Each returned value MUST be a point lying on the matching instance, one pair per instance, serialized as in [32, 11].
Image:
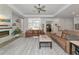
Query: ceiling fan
[40, 8]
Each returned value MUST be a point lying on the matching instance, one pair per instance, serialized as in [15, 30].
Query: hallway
[29, 46]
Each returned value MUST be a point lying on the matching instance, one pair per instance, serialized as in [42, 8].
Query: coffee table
[44, 39]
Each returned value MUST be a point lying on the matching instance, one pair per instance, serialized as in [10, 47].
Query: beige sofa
[61, 40]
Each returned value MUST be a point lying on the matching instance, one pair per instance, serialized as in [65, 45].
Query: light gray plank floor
[30, 46]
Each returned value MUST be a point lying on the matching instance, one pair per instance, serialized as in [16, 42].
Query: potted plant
[17, 32]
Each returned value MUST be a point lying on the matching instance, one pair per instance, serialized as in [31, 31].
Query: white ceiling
[28, 9]
[53, 10]
[70, 12]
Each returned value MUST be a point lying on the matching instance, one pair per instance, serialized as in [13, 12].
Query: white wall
[65, 23]
[46, 20]
[8, 13]
[5, 11]
[76, 21]
[25, 25]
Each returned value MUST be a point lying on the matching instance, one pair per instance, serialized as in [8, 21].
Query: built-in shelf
[5, 25]
[5, 28]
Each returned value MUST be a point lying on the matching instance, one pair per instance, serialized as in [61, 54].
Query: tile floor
[30, 46]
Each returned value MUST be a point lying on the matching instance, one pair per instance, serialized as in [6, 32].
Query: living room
[22, 24]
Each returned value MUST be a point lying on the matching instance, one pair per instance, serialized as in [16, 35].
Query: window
[76, 26]
[34, 23]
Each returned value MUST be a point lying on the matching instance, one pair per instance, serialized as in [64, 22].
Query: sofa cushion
[59, 33]
[72, 37]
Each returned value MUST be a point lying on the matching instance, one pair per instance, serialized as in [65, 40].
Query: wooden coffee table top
[75, 42]
[44, 38]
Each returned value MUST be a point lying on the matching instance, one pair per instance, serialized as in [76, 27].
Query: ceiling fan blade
[40, 8]
[43, 10]
[43, 7]
[35, 7]
[39, 11]
[34, 10]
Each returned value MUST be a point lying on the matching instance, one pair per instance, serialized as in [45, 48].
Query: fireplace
[4, 33]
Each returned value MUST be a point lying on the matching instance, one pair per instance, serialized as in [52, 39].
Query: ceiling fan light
[39, 5]
[40, 9]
